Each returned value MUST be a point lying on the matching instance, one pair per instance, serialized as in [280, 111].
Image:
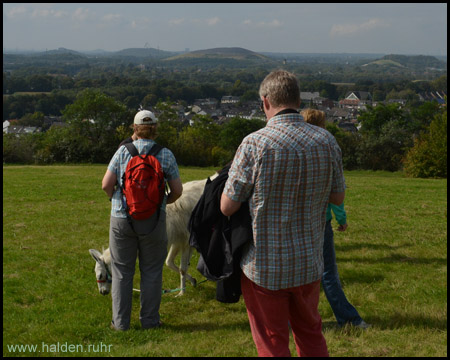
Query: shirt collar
[286, 111]
[282, 117]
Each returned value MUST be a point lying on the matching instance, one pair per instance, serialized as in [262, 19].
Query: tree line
[27, 90]
[391, 138]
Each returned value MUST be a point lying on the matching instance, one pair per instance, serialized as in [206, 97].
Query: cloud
[111, 18]
[16, 12]
[44, 13]
[176, 22]
[275, 23]
[140, 23]
[352, 29]
[82, 14]
[213, 21]
[210, 22]
[40, 11]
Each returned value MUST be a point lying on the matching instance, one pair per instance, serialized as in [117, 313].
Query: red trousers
[270, 313]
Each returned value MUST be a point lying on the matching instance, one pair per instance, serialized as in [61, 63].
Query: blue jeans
[342, 309]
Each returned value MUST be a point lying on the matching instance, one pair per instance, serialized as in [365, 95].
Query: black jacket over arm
[219, 239]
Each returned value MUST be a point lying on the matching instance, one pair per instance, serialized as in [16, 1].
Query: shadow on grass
[209, 326]
[395, 258]
[359, 277]
[358, 246]
[397, 321]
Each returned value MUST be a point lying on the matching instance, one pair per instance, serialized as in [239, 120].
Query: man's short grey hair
[281, 88]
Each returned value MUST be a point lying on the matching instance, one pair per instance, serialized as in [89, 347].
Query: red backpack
[143, 183]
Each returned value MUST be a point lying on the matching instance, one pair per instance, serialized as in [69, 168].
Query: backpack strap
[131, 149]
[155, 149]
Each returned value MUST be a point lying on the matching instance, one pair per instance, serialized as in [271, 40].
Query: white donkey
[178, 214]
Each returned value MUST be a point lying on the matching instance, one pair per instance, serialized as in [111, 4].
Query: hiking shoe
[158, 325]
[363, 325]
[113, 327]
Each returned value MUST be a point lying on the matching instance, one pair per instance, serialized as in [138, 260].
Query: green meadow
[392, 262]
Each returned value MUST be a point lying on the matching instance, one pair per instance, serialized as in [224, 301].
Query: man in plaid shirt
[288, 171]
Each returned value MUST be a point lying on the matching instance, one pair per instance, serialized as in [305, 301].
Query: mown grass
[392, 261]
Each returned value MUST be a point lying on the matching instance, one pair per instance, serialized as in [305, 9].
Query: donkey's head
[102, 272]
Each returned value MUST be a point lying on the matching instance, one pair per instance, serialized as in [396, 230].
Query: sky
[377, 28]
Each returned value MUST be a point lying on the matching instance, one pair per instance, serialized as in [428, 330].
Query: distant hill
[235, 53]
[59, 51]
[410, 61]
[384, 62]
[54, 56]
[323, 58]
[144, 53]
[97, 52]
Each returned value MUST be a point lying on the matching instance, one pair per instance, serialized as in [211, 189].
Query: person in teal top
[341, 215]
[344, 312]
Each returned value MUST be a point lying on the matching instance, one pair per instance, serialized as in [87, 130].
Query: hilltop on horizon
[237, 52]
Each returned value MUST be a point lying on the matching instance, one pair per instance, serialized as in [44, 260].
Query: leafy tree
[195, 143]
[64, 145]
[123, 132]
[384, 150]
[428, 157]
[149, 100]
[326, 90]
[440, 84]
[21, 149]
[132, 102]
[12, 84]
[35, 119]
[249, 95]
[378, 95]
[209, 91]
[234, 131]
[422, 116]
[167, 135]
[221, 156]
[40, 83]
[349, 143]
[95, 116]
[374, 118]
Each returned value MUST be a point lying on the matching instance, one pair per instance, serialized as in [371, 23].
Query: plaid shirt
[118, 165]
[286, 171]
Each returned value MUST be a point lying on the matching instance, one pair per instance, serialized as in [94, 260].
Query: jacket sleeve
[339, 212]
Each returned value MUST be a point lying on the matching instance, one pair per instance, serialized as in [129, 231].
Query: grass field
[392, 261]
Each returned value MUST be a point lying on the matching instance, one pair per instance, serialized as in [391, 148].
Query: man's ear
[267, 104]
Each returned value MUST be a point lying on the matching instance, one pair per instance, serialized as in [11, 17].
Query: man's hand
[342, 227]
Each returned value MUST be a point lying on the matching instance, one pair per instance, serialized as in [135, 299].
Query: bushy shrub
[63, 145]
[349, 143]
[21, 149]
[428, 157]
[220, 156]
[385, 150]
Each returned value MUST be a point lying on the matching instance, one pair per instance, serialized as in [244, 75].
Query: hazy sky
[388, 28]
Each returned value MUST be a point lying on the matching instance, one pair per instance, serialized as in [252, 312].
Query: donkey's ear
[96, 255]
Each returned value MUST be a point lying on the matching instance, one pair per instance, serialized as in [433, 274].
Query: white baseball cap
[145, 117]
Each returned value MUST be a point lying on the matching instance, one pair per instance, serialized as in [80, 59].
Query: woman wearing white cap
[125, 241]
